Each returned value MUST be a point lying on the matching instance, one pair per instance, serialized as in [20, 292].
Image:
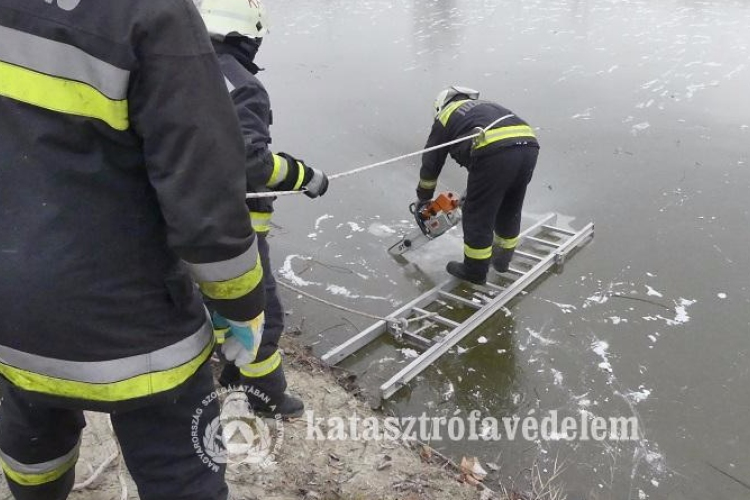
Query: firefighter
[121, 187]
[500, 164]
[237, 30]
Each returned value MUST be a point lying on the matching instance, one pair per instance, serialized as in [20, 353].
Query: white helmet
[222, 17]
[447, 95]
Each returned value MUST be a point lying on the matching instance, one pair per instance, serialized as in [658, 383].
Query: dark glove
[420, 204]
[314, 181]
[425, 194]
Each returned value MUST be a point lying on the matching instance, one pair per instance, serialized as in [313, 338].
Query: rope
[332, 304]
[104, 465]
[95, 474]
[399, 324]
[364, 168]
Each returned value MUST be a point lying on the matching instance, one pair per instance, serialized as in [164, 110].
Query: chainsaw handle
[418, 217]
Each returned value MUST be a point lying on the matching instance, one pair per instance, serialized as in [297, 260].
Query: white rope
[328, 303]
[95, 475]
[399, 323]
[358, 170]
[104, 465]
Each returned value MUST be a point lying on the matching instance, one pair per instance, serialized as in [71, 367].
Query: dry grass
[537, 485]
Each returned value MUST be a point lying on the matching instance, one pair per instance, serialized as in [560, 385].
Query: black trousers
[274, 383]
[495, 192]
[156, 442]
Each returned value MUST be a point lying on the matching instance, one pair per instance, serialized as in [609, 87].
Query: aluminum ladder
[542, 247]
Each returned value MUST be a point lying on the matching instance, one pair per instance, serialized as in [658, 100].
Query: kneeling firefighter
[237, 30]
[500, 162]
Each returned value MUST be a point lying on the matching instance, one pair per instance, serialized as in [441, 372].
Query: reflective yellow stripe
[235, 287]
[135, 387]
[499, 134]
[280, 170]
[262, 368]
[24, 475]
[261, 221]
[425, 184]
[220, 335]
[507, 243]
[50, 57]
[446, 113]
[300, 177]
[64, 96]
[226, 269]
[477, 253]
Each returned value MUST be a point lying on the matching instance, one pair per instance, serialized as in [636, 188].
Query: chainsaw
[433, 220]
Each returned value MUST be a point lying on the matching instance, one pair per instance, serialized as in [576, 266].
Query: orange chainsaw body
[445, 202]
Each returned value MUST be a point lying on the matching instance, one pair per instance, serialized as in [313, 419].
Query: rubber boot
[286, 407]
[230, 375]
[474, 271]
[501, 258]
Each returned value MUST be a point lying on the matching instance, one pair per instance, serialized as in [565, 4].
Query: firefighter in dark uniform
[121, 187]
[500, 164]
[237, 29]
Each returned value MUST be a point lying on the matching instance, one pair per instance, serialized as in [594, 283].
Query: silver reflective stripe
[106, 372]
[230, 86]
[226, 269]
[316, 182]
[64, 61]
[43, 467]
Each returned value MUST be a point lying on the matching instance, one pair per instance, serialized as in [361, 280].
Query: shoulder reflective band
[261, 221]
[499, 134]
[40, 473]
[477, 253]
[114, 380]
[280, 170]
[262, 368]
[506, 243]
[446, 113]
[236, 287]
[226, 269]
[62, 78]
[426, 184]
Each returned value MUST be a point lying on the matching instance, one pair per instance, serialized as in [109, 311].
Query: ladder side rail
[433, 353]
[354, 344]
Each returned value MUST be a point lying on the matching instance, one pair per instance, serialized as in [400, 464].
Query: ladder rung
[437, 318]
[543, 241]
[460, 300]
[515, 271]
[417, 339]
[494, 286]
[559, 230]
[529, 255]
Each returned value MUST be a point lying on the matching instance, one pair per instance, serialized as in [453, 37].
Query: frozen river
[643, 115]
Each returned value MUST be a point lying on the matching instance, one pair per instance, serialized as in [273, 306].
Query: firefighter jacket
[265, 170]
[459, 119]
[121, 186]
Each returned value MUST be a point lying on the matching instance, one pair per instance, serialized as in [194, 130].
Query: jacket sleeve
[253, 107]
[194, 156]
[265, 170]
[432, 162]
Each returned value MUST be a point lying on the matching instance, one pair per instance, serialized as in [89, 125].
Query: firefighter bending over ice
[500, 165]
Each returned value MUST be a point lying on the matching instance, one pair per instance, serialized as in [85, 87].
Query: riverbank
[303, 468]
